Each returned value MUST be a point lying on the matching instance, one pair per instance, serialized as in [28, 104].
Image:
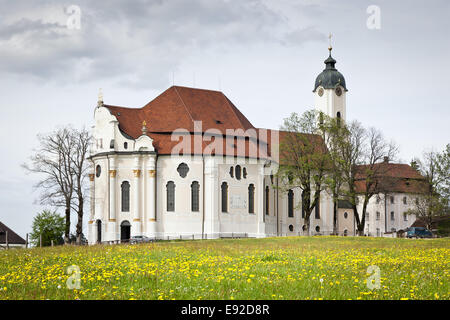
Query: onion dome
[330, 78]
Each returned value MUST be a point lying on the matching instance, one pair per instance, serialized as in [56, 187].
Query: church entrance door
[125, 231]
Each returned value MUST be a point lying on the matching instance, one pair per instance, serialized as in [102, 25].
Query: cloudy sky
[263, 54]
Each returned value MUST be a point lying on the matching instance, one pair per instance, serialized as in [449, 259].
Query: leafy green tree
[50, 225]
[434, 202]
[336, 132]
[362, 155]
[304, 160]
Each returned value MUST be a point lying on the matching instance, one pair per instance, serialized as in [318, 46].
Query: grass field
[272, 268]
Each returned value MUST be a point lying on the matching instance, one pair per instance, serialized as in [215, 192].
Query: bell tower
[330, 90]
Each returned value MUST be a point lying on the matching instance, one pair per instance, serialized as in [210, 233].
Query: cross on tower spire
[330, 47]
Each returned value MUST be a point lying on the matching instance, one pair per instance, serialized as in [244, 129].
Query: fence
[222, 235]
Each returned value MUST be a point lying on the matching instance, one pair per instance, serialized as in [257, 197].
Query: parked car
[139, 239]
[418, 232]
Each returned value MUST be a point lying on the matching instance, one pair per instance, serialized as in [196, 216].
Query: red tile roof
[286, 137]
[178, 108]
[394, 177]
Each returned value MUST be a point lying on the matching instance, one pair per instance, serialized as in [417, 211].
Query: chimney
[386, 159]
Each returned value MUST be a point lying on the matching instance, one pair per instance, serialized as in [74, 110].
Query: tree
[82, 140]
[364, 156]
[61, 159]
[53, 161]
[434, 201]
[304, 160]
[336, 133]
[48, 225]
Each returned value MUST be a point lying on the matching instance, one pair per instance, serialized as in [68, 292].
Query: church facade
[190, 164]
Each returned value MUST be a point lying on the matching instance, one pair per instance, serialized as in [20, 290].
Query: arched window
[317, 209]
[125, 145]
[224, 190]
[392, 215]
[195, 187]
[125, 187]
[404, 200]
[290, 203]
[345, 215]
[170, 196]
[392, 200]
[317, 229]
[303, 209]
[291, 228]
[251, 198]
[266, 199]
[378, 215]
[99, 231]
[345, 232]
[98, 171]
[244, 173]
[338, 118]
[321, 118]
[232, 172]
[237, 172]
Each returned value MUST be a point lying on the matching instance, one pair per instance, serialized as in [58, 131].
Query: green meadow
[270, 268]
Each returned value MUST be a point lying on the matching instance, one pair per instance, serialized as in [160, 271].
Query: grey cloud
[126, 40]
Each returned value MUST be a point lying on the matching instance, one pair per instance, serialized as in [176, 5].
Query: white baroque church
[189, 164]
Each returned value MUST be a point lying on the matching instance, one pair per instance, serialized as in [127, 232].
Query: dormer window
[219, 122]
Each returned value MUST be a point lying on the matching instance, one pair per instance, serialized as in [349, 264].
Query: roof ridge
[193, 88]
[185, 107]
[232, 110]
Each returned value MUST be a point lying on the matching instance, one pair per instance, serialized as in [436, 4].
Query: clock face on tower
[320, 92]
[338, 91]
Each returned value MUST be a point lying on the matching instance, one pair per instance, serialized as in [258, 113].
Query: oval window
[183, 170]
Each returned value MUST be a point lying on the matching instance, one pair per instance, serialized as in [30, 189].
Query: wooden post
[7, 244]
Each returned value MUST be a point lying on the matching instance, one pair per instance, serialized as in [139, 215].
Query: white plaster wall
[330, 103]
[182, 220]
[398, 207]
